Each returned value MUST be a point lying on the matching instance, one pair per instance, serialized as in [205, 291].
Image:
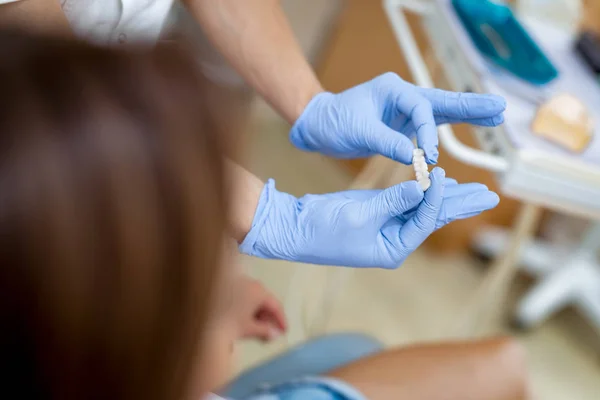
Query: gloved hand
[360, 228]
[383, 115]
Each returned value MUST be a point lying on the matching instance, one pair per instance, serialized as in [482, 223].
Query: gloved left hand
[360, 228]
[383, 115]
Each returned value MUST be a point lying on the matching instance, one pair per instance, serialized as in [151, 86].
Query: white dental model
[421, 170]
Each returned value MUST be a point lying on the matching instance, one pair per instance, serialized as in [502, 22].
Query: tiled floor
[414, 303]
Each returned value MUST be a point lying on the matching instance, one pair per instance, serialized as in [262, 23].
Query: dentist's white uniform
[144, 22]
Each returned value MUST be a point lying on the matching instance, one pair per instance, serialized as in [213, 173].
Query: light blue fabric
[382, 115]
[360, 228]
[311, 359]
[319, 388]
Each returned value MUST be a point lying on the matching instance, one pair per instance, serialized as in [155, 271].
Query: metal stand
[486, 308]
[568, 277]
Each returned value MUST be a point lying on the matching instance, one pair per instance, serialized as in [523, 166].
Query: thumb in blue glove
[359, 228]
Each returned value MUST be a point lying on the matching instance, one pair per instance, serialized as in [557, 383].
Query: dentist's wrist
[299, 134]
[303, 100]
[272, 227]
[245, 189]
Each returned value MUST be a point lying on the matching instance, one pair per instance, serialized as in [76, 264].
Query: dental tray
[499, 36]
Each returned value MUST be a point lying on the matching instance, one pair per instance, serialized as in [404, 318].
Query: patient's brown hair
[112, 213]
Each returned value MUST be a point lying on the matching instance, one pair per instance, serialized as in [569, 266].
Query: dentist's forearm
[245, 189]
[256, 38]
[40, 16]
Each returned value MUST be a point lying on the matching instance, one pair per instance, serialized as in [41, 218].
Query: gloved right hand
[382, 116]
[360, 228]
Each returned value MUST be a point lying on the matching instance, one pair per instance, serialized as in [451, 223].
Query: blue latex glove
[360, 228]
[383, 115]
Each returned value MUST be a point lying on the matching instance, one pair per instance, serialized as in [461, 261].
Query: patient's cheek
[219, 352]
[222, 331]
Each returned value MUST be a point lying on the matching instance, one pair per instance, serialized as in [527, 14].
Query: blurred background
[351, 41]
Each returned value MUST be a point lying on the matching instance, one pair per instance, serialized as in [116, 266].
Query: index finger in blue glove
[462, 201]
[389, 143]
[463, 105]
[466, 206]
[423, 223]
[418, 109]
[463, 189]
[367, 194]
[489, 121]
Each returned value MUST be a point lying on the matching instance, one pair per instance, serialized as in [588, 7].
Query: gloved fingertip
[478, 202]
[432, 156]
[502, 102]
[438, 174]
[498, 119]
[499, 101]
[491, 199]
